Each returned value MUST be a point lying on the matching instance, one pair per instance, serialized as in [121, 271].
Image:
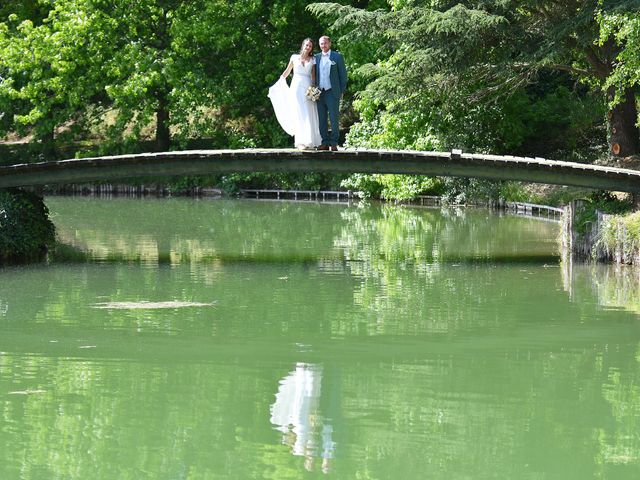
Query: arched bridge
[199, 162]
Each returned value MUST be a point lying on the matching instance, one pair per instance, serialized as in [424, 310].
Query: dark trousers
[329, 108]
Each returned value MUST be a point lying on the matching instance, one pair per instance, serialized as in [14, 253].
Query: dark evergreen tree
[437, 50]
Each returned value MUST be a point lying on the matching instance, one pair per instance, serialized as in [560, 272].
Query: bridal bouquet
[313, 93]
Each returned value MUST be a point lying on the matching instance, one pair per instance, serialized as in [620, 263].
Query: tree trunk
[48, 145]
[163, 136]
[622, 130]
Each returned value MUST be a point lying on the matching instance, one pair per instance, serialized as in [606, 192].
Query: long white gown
[297, 115]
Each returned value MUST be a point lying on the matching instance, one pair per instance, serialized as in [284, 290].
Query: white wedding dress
[297, 115]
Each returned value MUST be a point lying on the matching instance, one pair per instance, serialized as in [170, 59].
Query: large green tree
[136, 59]
[480, 52]
[47, 69]
[174, 64]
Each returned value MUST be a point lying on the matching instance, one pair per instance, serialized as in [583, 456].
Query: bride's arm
[313, 74]
[287, 70]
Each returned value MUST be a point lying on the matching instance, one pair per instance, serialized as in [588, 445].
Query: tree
[175, 64]
[484, 51]
[50, 70]
[621, 29]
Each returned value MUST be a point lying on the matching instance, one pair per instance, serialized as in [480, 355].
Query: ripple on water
[146, 305]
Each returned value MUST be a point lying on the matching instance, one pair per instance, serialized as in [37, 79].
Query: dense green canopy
[455, 68]
[77, 66]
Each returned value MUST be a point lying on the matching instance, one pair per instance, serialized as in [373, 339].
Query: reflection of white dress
[296, 405]
[297, 115]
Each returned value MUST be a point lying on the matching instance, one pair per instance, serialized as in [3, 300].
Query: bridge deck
[201, 162]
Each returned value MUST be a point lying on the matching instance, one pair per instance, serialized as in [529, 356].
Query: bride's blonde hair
[302, 46]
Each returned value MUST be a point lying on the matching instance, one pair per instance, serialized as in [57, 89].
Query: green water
[191, 339]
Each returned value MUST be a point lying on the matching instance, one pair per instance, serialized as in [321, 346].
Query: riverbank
[591, 234]
[607, 238]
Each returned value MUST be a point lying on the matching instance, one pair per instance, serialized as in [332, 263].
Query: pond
[198, 339]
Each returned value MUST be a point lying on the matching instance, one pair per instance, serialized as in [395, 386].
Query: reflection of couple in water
[297, 414]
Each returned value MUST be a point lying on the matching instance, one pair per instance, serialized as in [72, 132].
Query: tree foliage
[26, 232]
[187, 68]
[51, 71]
[623, 28]
[461, 63]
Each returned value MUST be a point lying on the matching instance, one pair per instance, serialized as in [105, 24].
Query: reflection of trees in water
[616, 286]
[391, 260]
[181, 230]
[107, 418]
[440, 271]
[620, 445]
[463, 414]
[437, 414]
[418, 235]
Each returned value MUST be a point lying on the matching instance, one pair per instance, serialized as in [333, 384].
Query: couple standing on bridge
[313, 98]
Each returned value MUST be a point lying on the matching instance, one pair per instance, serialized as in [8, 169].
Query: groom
[331, 79]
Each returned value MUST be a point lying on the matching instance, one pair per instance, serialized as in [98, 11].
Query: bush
[604, 202]
[392, 186]
[26, 233]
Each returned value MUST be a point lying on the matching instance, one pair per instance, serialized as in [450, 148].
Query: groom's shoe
[334, 148]
[323, 147]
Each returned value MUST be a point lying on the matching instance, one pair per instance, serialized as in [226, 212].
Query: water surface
[190, 339]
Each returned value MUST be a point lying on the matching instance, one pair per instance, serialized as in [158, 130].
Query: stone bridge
[201, 162]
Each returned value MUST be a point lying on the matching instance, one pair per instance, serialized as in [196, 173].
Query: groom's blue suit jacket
[337, 75]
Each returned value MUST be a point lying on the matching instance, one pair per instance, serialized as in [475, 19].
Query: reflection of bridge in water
[202, 162]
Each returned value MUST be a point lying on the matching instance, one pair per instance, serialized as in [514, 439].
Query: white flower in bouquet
[313, 93]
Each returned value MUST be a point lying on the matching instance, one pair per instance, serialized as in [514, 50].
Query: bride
[298, 115]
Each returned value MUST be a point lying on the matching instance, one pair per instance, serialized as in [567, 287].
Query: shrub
[26, 233]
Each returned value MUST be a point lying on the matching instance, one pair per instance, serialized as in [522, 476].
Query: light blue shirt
[324, 70]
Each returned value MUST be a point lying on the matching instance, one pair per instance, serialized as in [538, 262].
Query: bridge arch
[201, 162]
